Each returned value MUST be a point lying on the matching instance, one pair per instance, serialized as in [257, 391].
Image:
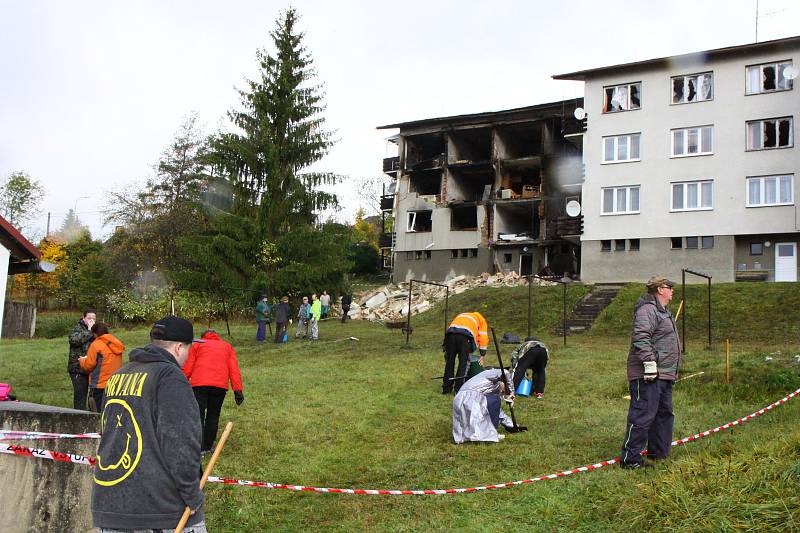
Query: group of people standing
[309, 314]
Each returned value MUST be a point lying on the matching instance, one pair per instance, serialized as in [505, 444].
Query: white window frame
[685, 196]
[686, 132]
[411, 218]
[762, 180]
[628, 210]
[627, 103]
[762, 128]
[615, 140]
[685, 79]
[750, 70]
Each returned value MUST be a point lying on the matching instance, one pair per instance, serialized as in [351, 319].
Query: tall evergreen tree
[282, 134]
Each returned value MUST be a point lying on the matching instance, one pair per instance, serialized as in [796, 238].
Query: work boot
[634, 466]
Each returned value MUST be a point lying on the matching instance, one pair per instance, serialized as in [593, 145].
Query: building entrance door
[785, 261]
[525, 265]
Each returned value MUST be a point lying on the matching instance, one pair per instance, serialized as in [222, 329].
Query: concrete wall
[441, 266]
[728, 166]
[41, 495]
[655, 256]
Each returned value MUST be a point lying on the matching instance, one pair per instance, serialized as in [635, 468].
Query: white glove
[650, 370]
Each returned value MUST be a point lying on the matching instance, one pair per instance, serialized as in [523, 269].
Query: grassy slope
[366, 415]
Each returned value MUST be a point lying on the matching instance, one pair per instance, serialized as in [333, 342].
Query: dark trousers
[280, 330]
[493, 406]
[345, 310]
[261, 333]
[536, 360]
[650, 420]
[209, 399]
[98, 395]
[80, 390]
[455, 344]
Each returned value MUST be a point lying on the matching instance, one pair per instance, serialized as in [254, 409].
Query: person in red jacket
[209, 368]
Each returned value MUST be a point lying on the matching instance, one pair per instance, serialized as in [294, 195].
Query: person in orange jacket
[467, 332]
[103, 358]
[209, 368]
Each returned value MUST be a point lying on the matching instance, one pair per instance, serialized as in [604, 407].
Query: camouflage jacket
[80, 338]
[653, 338]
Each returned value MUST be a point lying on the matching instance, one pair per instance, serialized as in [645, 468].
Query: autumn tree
[20, 197]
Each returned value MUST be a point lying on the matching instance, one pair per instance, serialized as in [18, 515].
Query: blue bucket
[524, 388]
[285, 337]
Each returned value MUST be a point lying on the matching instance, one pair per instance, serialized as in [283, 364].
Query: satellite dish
[573, 208]
[580, 113]
[791, 73]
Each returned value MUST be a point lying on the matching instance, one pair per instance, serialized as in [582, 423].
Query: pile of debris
[390, 303]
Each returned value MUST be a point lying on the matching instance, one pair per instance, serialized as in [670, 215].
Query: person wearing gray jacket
[653, 362]
[148, 460]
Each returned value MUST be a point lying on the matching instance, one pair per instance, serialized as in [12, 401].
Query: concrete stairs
[589, 307]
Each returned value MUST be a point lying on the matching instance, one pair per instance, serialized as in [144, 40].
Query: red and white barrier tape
[29, 435]
[80, 459]
[46, 454]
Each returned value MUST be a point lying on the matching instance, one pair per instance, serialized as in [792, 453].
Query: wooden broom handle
[207, 472]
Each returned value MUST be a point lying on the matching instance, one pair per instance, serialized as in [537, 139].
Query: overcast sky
[93, 91]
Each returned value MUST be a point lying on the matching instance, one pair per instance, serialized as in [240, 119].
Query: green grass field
[365, 414]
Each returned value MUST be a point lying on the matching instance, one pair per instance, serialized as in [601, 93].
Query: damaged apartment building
[488, 192]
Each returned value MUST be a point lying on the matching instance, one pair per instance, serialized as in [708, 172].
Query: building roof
[704, 56]
[21, 248]
[490, 116]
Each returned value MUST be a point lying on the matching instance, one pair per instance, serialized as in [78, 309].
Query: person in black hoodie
[283, 314]
[80, 338]
[148, 460]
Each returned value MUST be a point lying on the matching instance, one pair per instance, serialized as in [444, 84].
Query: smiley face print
[121, 446]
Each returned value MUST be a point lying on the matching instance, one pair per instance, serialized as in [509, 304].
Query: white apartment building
[691, 162]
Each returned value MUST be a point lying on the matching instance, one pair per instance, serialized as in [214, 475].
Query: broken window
[464, 218]
[468, 146]
[620, 148]
[425, 151]
[622, 97]
[693, 88]
[693, 141]
[425, 182]
[419, 221]
[768, 77]
[770, 133]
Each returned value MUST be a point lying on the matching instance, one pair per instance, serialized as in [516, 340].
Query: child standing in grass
[103, 358]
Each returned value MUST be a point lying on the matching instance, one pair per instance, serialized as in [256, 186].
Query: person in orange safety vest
[467, 333]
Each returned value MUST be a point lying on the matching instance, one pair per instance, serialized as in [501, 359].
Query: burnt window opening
[426, 182]
[522, 141]
[676, 242]
[419, 221]
[425, 151]
[633, 245]
[470, 146]
[517, 222]
[507, 258]
[469, 184]
[605, 246]
[464, 218]
[522, 181]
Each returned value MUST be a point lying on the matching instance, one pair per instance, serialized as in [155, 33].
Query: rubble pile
[390, 303]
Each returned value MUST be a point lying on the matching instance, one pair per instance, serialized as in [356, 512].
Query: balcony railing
[391, 165]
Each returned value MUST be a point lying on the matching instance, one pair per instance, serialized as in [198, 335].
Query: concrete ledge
[41, 495]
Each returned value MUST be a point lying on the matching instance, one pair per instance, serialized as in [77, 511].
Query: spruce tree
[282, 134]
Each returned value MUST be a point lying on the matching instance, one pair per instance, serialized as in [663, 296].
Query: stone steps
[589, 308]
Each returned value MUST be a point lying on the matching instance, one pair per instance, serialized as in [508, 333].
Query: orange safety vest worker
[472, 325]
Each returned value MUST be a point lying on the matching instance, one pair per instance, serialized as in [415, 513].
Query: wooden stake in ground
[727, 360]
[206, 473]
[678, 314]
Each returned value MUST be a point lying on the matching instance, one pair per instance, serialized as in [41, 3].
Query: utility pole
[47, 233]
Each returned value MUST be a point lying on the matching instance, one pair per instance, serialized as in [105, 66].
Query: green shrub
[54, 324]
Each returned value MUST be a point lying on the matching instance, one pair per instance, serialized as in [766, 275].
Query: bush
[130, 307]
[54, 324]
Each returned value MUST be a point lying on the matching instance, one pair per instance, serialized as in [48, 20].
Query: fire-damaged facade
[487, 192]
